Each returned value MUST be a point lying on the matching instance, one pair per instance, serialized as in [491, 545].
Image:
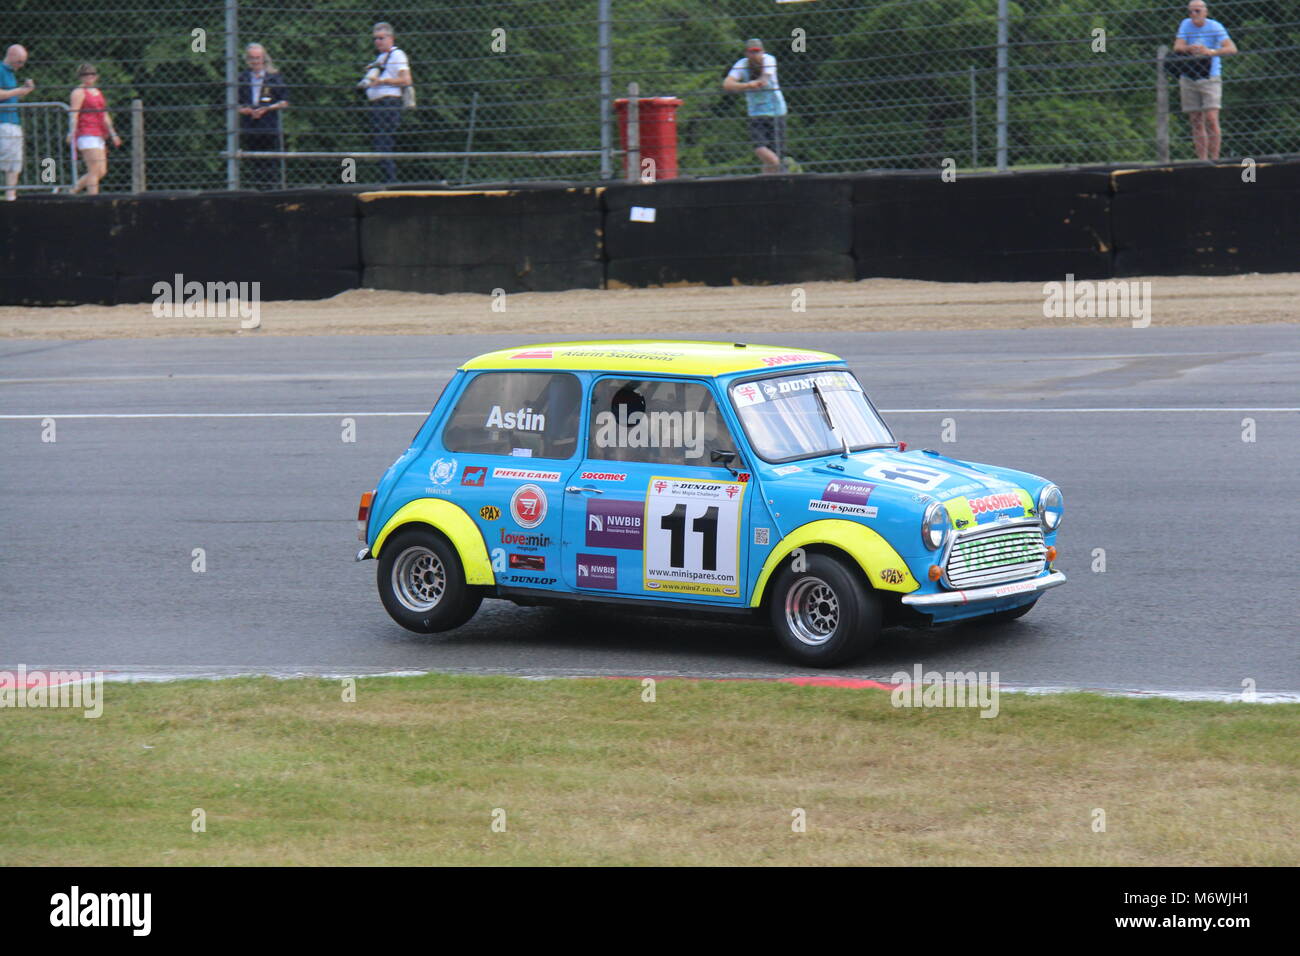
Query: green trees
[869, 84]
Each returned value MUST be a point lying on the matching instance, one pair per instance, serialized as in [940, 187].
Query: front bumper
[995, 593]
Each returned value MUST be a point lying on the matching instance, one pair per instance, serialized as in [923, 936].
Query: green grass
[587, 773]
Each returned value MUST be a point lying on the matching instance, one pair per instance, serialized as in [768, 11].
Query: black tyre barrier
[517, 240]
[1037, 226]
[112, 249]
[729, 270]
[774, 217]
[487, 278]
[1207, 220]
[56, 252]
[1029, 226]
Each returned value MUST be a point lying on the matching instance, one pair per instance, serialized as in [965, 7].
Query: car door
[508, 447]
[648, 513]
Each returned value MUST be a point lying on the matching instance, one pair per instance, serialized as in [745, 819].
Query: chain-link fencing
[908, 84]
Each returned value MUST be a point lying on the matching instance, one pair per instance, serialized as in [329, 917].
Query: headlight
[1051, 507]
[935, 525]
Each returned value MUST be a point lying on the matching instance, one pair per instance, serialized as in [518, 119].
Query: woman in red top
[91, 126]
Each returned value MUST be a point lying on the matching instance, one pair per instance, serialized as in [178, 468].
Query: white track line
[883, 411]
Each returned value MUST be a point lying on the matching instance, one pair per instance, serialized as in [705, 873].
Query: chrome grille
[995, 555]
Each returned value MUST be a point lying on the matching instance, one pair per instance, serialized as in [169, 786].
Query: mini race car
[698, 477]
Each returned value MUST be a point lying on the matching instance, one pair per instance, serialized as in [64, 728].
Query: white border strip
[135, 677]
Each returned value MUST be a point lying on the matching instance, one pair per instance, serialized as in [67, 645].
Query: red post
[658, 122]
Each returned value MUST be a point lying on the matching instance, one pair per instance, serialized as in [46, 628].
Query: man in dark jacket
[262, 95]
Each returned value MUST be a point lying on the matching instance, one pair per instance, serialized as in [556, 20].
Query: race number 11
[691, 538]
[706, 524]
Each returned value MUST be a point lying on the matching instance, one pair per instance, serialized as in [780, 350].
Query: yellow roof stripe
[649, 355]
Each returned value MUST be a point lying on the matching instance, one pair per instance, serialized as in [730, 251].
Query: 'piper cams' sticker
[525, 474]
[528, 506]
[691, 536]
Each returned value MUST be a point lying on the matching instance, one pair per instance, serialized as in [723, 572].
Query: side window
[519, 414]
[656, 421]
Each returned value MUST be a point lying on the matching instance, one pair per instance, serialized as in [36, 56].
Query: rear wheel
[422, 583]
[823, 615]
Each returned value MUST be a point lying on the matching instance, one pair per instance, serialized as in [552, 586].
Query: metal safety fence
[45, 138]
[523, 90]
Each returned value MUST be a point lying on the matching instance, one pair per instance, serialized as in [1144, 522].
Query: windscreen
[785, 420]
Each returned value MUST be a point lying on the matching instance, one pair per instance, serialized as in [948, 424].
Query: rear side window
[516, 414]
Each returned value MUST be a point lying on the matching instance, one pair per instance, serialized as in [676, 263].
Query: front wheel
[825, 614]
[422, 583]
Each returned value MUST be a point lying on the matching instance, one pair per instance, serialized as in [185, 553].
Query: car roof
[650, 356]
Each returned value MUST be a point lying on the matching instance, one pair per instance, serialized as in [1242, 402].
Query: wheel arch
[452, 523]
[860, 547]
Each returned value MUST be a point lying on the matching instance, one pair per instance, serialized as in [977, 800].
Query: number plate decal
[917, 477]
[691, 536]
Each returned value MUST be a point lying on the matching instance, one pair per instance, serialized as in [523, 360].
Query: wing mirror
[723, 457]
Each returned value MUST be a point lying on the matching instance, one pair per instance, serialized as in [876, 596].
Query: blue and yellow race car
[698, 477]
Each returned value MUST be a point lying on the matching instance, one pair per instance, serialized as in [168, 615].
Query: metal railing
[49, 160]
[50, 153]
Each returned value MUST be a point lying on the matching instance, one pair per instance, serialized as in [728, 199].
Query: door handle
[579, 489]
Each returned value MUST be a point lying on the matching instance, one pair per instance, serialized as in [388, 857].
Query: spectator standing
[90, 126]
[1202, 97]
[262, 95]
[754, 74]
[384, 82]
[11, 123]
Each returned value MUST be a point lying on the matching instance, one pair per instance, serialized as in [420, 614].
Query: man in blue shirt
[755, 76]
[1202, 96]
[11, 129]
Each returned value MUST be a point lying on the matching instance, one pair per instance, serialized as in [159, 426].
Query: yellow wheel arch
[452, 522]
[883, 566]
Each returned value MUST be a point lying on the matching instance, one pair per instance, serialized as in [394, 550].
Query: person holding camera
[384, 84]
[1200, 88]
[754, 74]
[11, 123]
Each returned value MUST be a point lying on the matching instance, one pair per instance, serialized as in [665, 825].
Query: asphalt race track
[234, 446]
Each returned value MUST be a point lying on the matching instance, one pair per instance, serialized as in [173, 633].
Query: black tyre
[825, 614]
[1002, 617]
[422, 583]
